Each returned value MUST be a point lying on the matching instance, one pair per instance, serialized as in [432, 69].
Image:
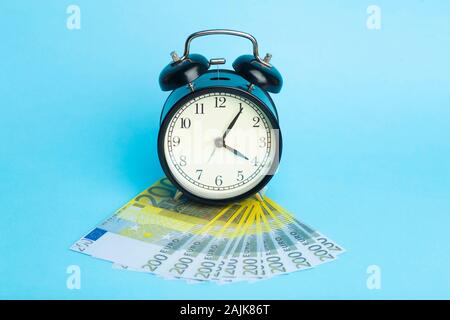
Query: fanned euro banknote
[176, 238]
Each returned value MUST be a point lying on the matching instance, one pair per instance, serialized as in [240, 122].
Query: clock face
[220, 145]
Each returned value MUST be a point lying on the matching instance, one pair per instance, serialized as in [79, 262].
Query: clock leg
[177, 195]
[263, 190]
[260, 195]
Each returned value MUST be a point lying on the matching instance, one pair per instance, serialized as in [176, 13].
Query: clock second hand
[214, 150]
[218, 143]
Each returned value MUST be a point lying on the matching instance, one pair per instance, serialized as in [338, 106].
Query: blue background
[365, 116]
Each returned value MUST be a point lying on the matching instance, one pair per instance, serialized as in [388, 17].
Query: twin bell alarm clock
[219, 139]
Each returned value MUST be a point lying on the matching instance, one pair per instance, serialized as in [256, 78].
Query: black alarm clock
[219, 139]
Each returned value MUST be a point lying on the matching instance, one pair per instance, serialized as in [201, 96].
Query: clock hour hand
[235, 151]
[231, 124]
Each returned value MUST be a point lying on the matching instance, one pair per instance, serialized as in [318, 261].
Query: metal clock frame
[231, 84]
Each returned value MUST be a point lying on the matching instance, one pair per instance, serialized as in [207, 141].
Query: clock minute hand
[231, 124]
[235, 151]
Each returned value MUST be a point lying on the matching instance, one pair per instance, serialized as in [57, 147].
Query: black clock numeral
[262, 142]
[255, 162]
[176, 141]
[240, 175]
[185, 123]
[199, 172]
[199, 108]
[219, 180]
[220, 102]
[182, 161]
[256, 120]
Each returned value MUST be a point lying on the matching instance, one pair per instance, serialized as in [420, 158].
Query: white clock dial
[214, 162]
